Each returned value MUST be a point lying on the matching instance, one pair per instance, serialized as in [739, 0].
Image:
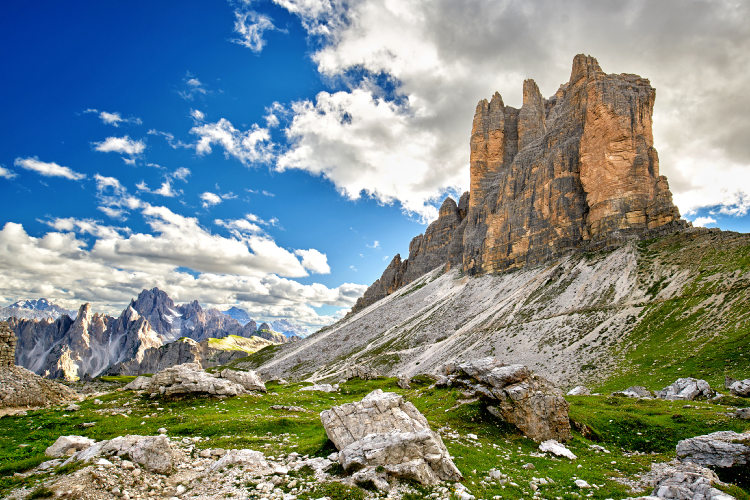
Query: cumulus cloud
[413, 71]
[166, 189]
[123, 145]
[48, 169]
[249, 146]
[703, 221]
[61, 266]
[192, 87]
[7, 174]
[314, 261]
[210, 199]
[114, 118]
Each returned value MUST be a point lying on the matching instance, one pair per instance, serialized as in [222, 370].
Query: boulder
[253, 462]
[743, 413]
[249, 379]
[635, 391]
[723, 449]
[518, 396]
[138, 384]
[556, 448]
[154, 453]
[738, 387]
[190, 378]
[579, 390]
[684, 481]
[67, 445]
[385, 433]
[687, 389]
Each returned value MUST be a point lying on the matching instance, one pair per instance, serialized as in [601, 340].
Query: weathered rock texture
[577, 171]
[384, 431]
[723, 449]
[190, 378]
[738, 387]
[684, 481]
[688, 389]
[154, 453]
[519, 397]
[21, 388]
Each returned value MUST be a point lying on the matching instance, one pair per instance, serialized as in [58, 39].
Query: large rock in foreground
[518, 396]
[738, 387]
[724, 449]
[190, 378]
[384, 431]
[154, 453]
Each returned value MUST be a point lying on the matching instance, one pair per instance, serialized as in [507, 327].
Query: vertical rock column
[7, 346]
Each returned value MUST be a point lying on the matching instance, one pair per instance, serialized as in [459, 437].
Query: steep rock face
[577, 171]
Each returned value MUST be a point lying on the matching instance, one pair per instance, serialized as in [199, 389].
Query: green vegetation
[237, 343]
[636, 433]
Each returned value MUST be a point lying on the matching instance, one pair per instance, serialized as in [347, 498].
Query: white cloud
[50, 169]
[167, 189]
[7, 174]
[250, 146]
[703, 221]
[62, 267]
[250, 26]
[439, 58]
[197, 114]
[375, 244]
[210, 199]
[193, 88]
[113, 118]
[314, 261]
[123, 145]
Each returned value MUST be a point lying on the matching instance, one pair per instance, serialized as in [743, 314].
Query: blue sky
[276, 154]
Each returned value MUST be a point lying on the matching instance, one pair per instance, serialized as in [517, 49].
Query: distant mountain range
[55, 343]
[34, 309]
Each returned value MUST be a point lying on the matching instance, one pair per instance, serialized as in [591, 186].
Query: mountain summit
[577, 171]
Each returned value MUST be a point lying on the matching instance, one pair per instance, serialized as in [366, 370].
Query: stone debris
[361, 372]
[190, 378]
[321, 388]
[738, 387]
[404, 381]
[293, 409]
[253, 461]
[742, 413]
[579, 390]
[635, 391]
[687, 389]
[67, 445]
[384, 437]
[556, 448]
[723, 449]
[519, 397]
[683, 481]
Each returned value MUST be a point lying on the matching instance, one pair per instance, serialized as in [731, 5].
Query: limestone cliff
[577, 171]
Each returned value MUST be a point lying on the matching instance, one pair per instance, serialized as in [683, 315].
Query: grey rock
[154, 453]
[517, 396]
[67, 445]
[684, 481]
[723, 449]
[249, 379]
[385, 431]
[138, 384]
[321, 388]
[635, 391]
[579, 390]
[189, 378]
[738, 387]
[687, 389]
[742, 413]
[254, 462]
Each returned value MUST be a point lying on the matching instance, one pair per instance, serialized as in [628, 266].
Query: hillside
[646, 313]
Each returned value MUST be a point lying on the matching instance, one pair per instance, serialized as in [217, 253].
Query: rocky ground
[274, 445]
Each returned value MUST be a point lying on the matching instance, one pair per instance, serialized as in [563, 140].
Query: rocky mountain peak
[574, 172]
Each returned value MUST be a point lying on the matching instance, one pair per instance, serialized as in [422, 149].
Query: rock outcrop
[723, 449]
[688, 389]
[21, 388]
[577, 171]
[738, 387]
[385, 435]
[679, 481]
[190, 378]
[515, 395]
[154, 453]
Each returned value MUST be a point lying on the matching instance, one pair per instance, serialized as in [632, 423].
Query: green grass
[623, 426]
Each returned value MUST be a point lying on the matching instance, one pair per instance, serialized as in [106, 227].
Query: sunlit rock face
[577, 171]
